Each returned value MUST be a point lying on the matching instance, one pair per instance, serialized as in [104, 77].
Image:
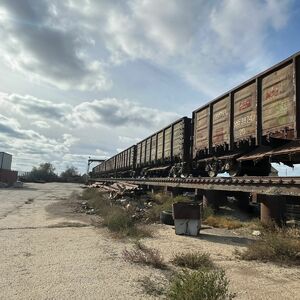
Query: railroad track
[289, 186]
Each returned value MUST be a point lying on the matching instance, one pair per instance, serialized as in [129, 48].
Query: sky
[84, 78]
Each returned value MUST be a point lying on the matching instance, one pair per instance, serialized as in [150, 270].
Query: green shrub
[163, 202]
[276, 245]
[199, 284]
[193, 260]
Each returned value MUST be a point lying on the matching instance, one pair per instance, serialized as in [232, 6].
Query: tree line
[45, 172]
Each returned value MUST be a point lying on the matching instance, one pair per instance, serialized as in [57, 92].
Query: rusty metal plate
[143, 152]
[245, 101]
[138, 154]
[201, 133]
[153, 148]
[221, 122]
[148, 150]
[178, 139]
[160, 144]
[278, 106]
[167, 143]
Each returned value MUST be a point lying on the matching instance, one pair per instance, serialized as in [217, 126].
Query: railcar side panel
[148, 150]
[221, 122]
[167, 143]
[245, 115]
[138, 154]
[178, 139]
[278, 103]
[160, 145]
[143, 153]
[201, 127]
[153, 148]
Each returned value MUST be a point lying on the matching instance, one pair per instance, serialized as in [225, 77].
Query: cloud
[115, 112]
[38, 42]
[30, 147]
[41, 124]
[74, 44]
[197, 40]
[36, 108]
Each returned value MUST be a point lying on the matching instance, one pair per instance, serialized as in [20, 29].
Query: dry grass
[144, 255]
[199, 284]
[279, 245]
[162, 202]
[222, 222]
[115, 218]
[193, 260]
[156, 288]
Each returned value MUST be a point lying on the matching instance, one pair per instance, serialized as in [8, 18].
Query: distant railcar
[166, 152]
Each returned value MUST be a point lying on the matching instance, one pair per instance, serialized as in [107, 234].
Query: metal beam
[289, 186]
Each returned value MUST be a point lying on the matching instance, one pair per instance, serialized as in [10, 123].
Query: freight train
[241, 132]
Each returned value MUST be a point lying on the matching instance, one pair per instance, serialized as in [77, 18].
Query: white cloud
[45, 46]
[115, 112]
[196, 39]
[41, 124]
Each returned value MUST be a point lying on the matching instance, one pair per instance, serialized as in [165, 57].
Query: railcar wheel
[212, 173]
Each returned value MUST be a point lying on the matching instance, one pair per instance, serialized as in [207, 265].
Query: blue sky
[87, 77]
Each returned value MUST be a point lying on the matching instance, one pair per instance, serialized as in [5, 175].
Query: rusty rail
[289, 186]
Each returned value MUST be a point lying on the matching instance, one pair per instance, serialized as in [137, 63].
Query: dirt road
[49, 252]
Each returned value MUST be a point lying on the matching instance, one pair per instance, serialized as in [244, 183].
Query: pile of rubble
[118, 189]
[129, 196]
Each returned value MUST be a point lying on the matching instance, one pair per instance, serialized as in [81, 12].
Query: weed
[193, 260]
[223, 222]
[207, 211]
[199, 284]
[153, 287]
[162, 202]
[117, 220]
[144, 255]
[280, 245]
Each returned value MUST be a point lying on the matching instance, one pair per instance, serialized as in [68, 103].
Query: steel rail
[289, 186]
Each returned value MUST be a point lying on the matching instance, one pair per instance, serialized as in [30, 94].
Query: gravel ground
[50, 252]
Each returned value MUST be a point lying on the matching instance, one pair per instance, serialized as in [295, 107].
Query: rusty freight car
[166, 152]
[254, 124]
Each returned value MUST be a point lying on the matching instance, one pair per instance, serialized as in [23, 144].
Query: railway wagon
[125, 162]
[166, 152]
[107, 168]
[252, 125]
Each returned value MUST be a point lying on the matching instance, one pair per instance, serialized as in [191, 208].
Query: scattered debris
[256, 233]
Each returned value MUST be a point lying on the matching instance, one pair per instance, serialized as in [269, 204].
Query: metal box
[5, 161]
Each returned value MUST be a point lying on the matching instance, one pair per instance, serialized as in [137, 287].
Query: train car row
[240, 132]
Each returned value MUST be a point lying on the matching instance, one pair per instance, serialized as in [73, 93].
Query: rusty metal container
[278, 103]
[245, 120]
[8, 176]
